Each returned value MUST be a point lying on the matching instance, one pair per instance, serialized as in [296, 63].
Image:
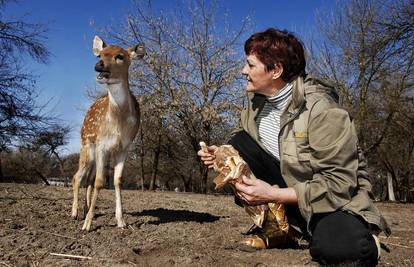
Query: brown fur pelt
[231, 167]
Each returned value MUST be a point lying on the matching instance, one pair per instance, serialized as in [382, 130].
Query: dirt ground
[164, 229]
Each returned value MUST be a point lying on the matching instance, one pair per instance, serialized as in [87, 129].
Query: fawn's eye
[119, 57]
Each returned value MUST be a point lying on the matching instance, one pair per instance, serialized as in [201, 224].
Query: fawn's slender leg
[85, 166]
[90, 182]
[99, 182]
[117, 184]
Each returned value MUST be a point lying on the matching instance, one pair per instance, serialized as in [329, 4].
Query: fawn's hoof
[74, 215]
[87, 225]
[121, 223]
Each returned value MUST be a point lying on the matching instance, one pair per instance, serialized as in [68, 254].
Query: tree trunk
[383, 188]
[155, 163]
[391, 196]
[109, 175]
[142, 154]
[62, 169]
[204, 175]
[187, 182]
[1, 168]
[403, 196]
[42, 177]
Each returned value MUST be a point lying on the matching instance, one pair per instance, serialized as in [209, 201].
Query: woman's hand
[256, 192]
[208, 156]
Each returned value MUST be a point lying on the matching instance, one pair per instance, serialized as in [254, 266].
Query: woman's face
[258, 79]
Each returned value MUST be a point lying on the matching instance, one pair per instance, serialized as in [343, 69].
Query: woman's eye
[120, 57]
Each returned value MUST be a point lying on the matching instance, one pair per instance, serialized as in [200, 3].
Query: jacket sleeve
[334, 160]
[364, 182]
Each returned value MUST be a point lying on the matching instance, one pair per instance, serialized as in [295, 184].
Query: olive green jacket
[319, 152]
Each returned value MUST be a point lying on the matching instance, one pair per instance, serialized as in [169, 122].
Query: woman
[304, 149]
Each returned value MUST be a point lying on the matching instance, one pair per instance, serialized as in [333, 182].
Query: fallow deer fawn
[109, 127]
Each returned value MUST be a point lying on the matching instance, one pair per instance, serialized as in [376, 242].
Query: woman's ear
[277, 71]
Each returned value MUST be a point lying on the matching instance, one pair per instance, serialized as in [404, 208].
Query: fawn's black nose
[100, 66]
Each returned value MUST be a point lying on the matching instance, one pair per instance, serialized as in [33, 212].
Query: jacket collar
[303, 86]
[298, 95]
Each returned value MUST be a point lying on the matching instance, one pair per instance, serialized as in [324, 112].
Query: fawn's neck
[119, 97]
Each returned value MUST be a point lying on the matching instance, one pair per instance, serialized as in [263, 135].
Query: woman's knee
[341, 237]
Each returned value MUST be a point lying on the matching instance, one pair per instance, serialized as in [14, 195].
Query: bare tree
[20, 115]
[190, 79]
[51, 142]
[28, 165]
[367, 53]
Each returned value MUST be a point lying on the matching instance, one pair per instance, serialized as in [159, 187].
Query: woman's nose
[244, 70]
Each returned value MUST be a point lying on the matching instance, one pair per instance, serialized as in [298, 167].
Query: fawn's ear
[98, 45]
[137, 51]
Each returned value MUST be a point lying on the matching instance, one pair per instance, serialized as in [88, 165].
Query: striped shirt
[268, 121]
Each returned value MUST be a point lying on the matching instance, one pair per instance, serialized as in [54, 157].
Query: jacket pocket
[302, 148]
[289, 148]
[296, 161]
[298, 148]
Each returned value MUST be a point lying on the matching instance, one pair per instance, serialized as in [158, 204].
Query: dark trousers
[336, 237]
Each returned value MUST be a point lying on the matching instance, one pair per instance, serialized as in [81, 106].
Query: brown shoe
[277, 239]
[254, 242]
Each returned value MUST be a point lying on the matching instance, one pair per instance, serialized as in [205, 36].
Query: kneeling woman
[304, 149]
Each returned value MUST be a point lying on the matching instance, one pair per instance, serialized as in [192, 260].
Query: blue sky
[74, 23]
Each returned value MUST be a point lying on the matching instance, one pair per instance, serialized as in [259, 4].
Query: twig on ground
[5, 264]
[59, 235]
[398, 245]
[387, 237]
[132, 263]
[71, 256]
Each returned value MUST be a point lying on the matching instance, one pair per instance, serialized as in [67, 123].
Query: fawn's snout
[103, 72]
[100, 66]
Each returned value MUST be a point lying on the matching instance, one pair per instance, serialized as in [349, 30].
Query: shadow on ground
[168, 216]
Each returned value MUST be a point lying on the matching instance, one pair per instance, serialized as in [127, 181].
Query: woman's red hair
[274, 47]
